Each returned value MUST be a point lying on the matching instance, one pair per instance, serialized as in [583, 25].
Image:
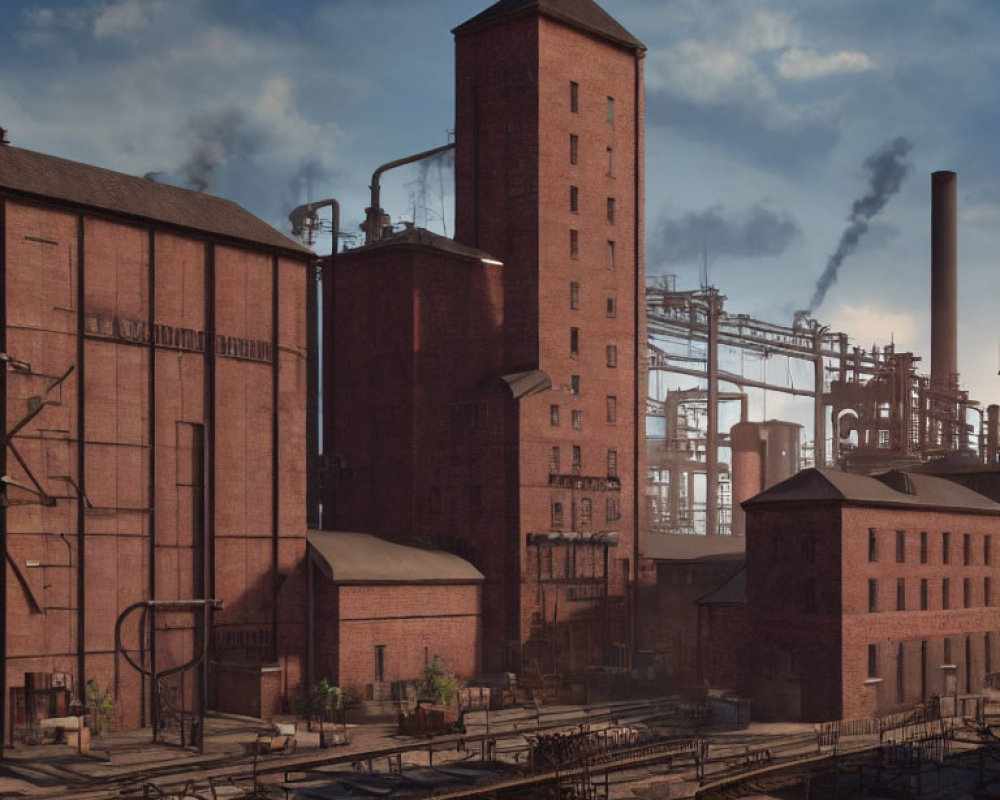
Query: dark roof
[346, 557]
[694, 547]
[890, 489]
[46, 177]
[583, 14]
[732, 591]
[425, 239]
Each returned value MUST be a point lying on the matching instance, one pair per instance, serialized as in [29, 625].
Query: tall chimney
[944, 281]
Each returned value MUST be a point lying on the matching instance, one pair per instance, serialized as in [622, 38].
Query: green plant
[327, 698]
[439, 685]
[99, 706]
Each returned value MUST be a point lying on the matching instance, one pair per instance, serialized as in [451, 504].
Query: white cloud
[871, 324]
[126, 17]
[803, 65]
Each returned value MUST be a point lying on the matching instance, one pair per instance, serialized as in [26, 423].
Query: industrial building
[493, 405]
[153, 342]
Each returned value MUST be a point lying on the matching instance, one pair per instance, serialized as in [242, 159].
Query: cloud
[803, 65]
[126, 17]
[871, 324]
[753, 233]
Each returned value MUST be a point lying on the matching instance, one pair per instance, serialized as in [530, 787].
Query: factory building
[492, 404]
[868, 594]
[153, 341]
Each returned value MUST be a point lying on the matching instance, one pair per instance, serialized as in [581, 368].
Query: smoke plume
[886, 171]
[216, 137]
[753, 233]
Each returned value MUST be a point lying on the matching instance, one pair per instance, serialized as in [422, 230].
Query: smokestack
[944, 281]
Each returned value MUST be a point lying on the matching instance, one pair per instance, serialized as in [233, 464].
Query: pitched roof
[45, 177]
[422, 238]
[892, 488]
[346, 557]
[583, 14]
[732, 591]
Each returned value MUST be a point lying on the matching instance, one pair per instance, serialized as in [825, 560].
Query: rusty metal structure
[871, 410]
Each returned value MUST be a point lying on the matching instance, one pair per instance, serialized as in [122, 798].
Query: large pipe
[373, 225]
[992, 433]
[944, 281]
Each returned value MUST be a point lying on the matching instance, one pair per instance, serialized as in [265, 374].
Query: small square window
[609, 305]
[554, 416]
[574, 296]
[577, 419]
[611, 211]
[557, 515]
[574, 243]
[574, 149]
[574, 384]
[574, 97]
[610, 111]
[612, 354]
[574, 342]
[611, 255]
[612, 406]
[612, 463]
[574, 199]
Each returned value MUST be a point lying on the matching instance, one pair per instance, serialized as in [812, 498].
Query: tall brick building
[153, 340]
[522, 449]
[868, 594]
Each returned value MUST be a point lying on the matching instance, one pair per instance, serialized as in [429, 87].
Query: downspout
[638, 307]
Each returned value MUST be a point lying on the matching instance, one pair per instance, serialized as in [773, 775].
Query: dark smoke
[755, 233]
[217, 135]
[886, 173]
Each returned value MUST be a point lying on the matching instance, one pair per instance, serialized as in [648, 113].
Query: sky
[764, 119]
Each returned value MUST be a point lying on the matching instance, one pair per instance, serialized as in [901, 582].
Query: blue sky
[760, 116]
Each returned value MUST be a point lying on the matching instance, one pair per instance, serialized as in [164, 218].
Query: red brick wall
[125, 531]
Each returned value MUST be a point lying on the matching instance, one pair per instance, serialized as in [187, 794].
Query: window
[945, 594]
[966, 593]
[612, 463]
[901, 594]
[611, 161]
[923, 594]
[611, 211]
[987, 547]
[574, 199]
[900, 674]
[609, 306]
[586, 511]
[612, 354]
[577, 459]
[872, 661]
[923, 547]
[900, 547]
[966, 549]
[574, 97]
[872, 545]
[945, 547]
[574, 384]
[554, 416]
[611, 510]
[611, 255]
[612, 404]
[574, 149]
[574, 342]
[577, 419]
[574, 296]
[554, 461]
[574, 243]
[872, 595]
[987, 593]
[610, 111]
[557, 515]
[380, 662]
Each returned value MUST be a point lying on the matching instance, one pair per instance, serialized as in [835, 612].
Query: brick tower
[548, 173]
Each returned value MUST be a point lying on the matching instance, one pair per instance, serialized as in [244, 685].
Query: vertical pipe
[208, 415]
[312, 397]
[275, 440]
[944, 281]
[151, 411]
[639, 476]
[712, 441]
[4, 731]
[819, 407]
[81, 471]
[992, 430]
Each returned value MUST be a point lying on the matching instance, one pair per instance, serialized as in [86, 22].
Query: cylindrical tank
[747, 468]
[782, 457]
[944, 280]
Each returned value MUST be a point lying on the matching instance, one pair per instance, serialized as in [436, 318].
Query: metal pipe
[373, 230]
[712, 438]
[992, 430]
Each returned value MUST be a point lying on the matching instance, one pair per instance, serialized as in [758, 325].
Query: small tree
[439, 685]
[327, 699]
[99, 707]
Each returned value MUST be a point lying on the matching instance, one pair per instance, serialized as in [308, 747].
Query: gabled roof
[890, 489]
[346, 557]
[42, 177]
[583, 14]
[732, 591]
[428, 240]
